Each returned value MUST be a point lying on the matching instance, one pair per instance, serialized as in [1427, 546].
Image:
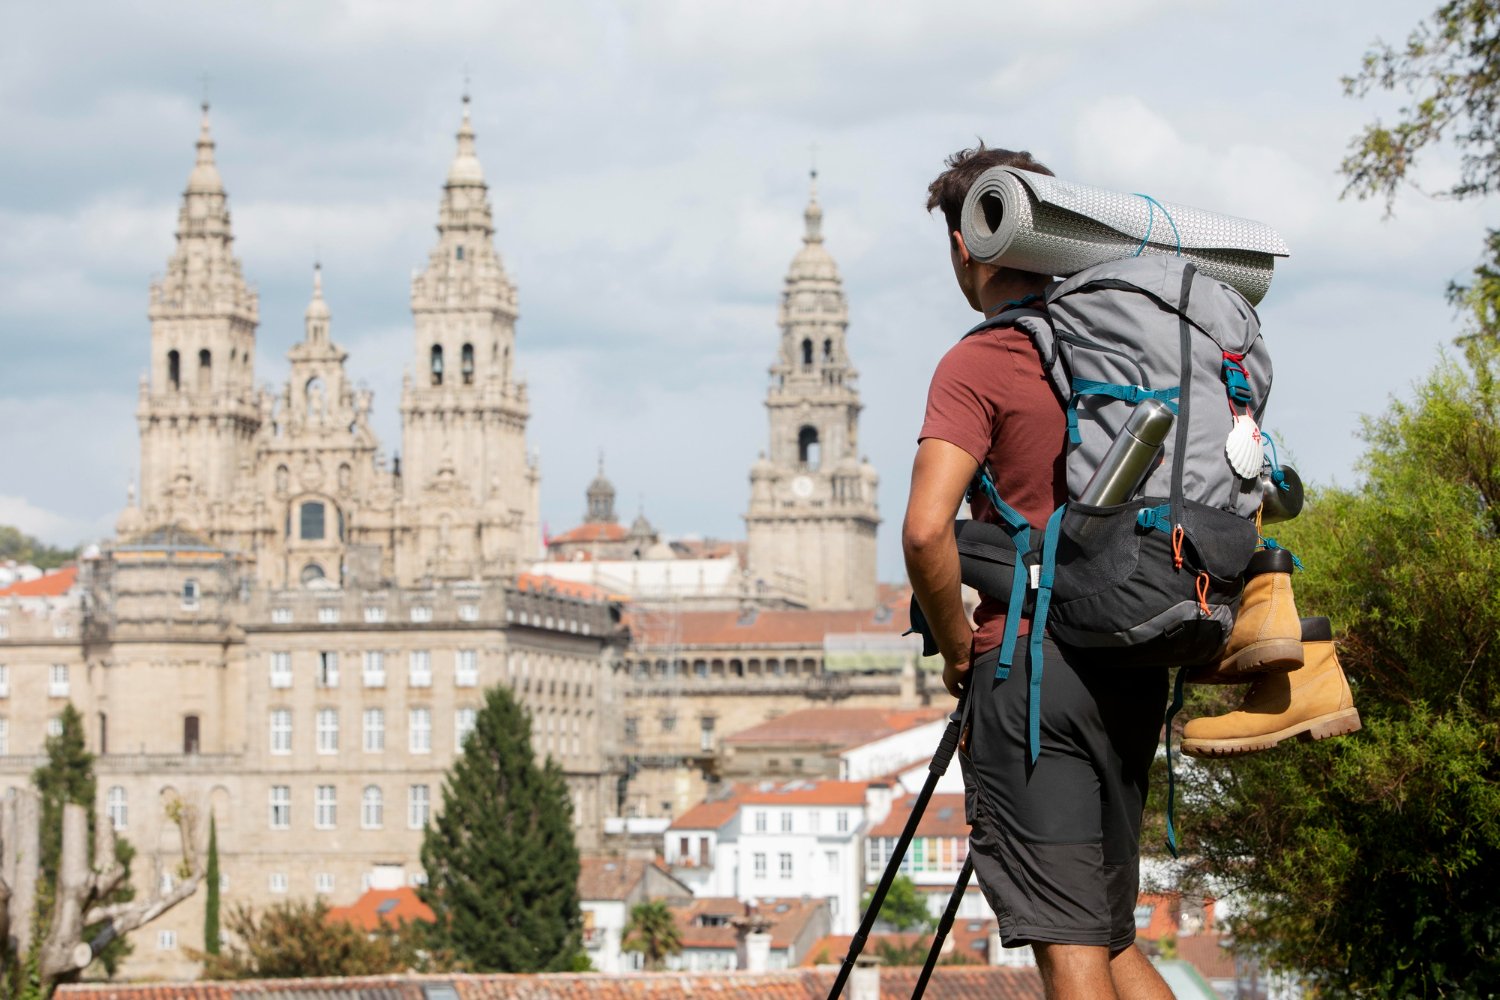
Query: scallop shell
[1243, 447]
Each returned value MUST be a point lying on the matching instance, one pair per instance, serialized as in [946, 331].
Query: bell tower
[812, 519]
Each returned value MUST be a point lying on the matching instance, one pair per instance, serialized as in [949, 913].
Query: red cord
[1203, 593]
[1177, 535]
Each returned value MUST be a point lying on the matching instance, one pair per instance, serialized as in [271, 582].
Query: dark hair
[964, 167]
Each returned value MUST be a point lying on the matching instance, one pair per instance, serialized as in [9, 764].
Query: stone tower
[812, 520]
[469, 491]
[198, 411]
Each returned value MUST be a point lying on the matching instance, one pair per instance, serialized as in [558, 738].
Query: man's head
[948, 192]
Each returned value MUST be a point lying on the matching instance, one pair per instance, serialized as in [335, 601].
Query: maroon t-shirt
[991, 397]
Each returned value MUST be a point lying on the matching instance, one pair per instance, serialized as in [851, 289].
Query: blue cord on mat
[1151, 206]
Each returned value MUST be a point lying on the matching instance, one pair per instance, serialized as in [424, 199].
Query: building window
[760, 821]
[325, 807]
[466, 668]
[4, 736]
[281, 807]
[313, 575]
[323, 883]
[310, 521]
[632, 729]
[372, 808]
[57, 681]
[278, 882]
[328, 730]
[328, 614]
[119, 812]
[281, 730]
[706, 733]
[281, 670]
[374, 613]
[421, 613]
[807, 448]
[843, 821]
[166, 940]
[328, 670]
[4, 681]
[786, 821]
[54, 726]
[468, 612]
[759, 860]
[374, 671]
[190, 734]
[420, 675]
[103, 733]
[374, 730]
[281, 616]
[418, 807]
[463, 725]
[669, 724]
[436, 364]
[831, 861]
[174, 370]
[786, 865]
[420, 730]
[466, 363]
[190, 594]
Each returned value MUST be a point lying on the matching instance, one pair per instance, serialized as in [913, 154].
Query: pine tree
[500, 858]
[211, 905]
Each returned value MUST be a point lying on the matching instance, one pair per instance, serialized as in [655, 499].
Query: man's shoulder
[989, 344]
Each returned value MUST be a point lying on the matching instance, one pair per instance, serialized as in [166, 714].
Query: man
[1055, 843]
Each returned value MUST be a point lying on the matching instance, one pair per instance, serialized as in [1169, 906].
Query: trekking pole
[935, 771]
[944, 926]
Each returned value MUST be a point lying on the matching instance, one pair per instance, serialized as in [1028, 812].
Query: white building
[607, 890]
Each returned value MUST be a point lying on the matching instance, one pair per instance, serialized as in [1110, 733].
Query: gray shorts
[1056, 844]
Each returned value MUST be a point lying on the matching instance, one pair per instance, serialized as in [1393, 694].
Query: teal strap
[1039, 629]
[1172, 710]
[1151, 206]
[1131, 394]
[1159, 517]
[1019, 531]
[1271, 543]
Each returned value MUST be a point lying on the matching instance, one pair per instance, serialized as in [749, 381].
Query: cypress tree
[211, 905]
[500, 858]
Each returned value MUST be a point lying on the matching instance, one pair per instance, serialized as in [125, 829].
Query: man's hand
[956, 675]
[939, 477]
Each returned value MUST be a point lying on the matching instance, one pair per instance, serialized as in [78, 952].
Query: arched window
[437, 364]
[807, 352]
[828, 349]
[312, 574]
[311, 521]
[190, 734]
[205, 370]
[807, 447]
[466, 364]
[174, 370]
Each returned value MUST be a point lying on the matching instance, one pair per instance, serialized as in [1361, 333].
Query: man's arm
[939, 477]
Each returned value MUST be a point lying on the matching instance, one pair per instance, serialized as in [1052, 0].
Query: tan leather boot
[1267, 634]
[1312, 702]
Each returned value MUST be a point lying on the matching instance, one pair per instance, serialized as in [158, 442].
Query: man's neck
[1007, 287]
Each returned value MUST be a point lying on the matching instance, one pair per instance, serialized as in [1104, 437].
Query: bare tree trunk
[22, 865]
[61, 950]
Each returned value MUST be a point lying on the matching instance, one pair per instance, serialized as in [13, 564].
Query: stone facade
[292, 633]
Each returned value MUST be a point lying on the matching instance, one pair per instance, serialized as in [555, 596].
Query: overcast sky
[648, 167]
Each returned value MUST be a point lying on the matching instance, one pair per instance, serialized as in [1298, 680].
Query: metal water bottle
[1129, 459]
[1280, 504]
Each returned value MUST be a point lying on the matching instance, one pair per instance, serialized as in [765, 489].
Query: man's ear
[958, 244]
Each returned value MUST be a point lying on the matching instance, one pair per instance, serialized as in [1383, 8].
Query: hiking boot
[1267, 634]
[1312, 702]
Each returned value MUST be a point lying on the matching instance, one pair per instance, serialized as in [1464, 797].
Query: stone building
[290, 632]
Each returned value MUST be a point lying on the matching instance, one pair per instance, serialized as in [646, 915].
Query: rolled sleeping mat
[1033, 222]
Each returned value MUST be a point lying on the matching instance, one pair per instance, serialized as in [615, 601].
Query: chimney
[864, 981]
[752, 940]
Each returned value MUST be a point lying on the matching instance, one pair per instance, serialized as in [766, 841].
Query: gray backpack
[1155, 580]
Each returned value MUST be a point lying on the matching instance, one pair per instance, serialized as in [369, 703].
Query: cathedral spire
[813, 215]
[465, 169]
[317, 314]
[205, 176]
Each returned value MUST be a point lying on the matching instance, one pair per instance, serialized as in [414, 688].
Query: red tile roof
[831, 949]
[595, 531]
[788, 918]
[948, 983]
[563, 588]
[769, 628]
[1208, 953]
[841, 728]
[714, 813]
[707, 815]
[393, 906]
[53, 584]
[943, 817]
[615, 878]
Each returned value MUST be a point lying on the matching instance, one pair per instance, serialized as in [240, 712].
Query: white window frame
[190, 594]
[760, 821]
[281, 731]
[419, 729]
[323, 883]
[758, 859]
[328, 731]
[328, 669]
[281, 616]
[466, 668]
[325, 807]
[418, 806]
[464, 718]
[55, 726]
[4, 736]
[374, 668]
[371, 808]
[166, 940]
[843, 821]
[468, 612]
[374, 613]
[374, 730]
[118, 808]
[57, 680]
[277, 882]
[419, 669]
[786, 821]
[281, 807]
[281, 670]
[4, 681]
[785, 864]
[328, 614]
[421, 612]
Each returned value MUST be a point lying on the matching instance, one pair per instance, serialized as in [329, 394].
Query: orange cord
[1177, 535]
[1203, 593]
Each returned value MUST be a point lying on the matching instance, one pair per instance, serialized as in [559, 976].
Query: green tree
[903, 908]
[652, 931]
[501, 862]
[1369, 862]
[297, 939]
[26, 549]
[68, 776]
[211, 904]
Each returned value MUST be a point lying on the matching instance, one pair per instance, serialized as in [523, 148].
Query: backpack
[1155, 580]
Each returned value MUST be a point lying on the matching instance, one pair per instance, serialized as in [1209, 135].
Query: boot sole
[1339, 723]
[1264, 657]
